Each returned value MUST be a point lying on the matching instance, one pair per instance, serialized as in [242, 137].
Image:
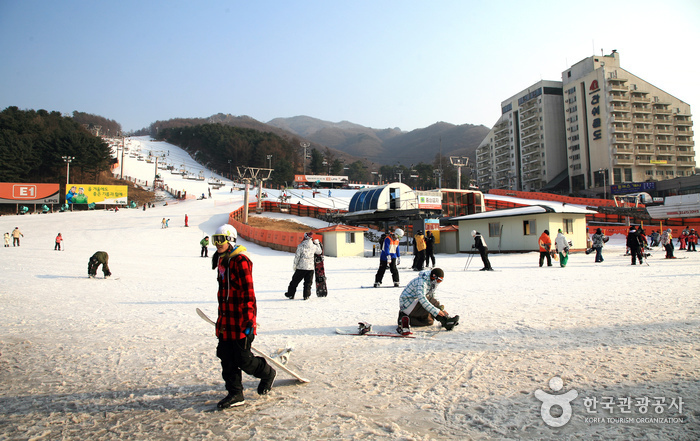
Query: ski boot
[448, 322]
[405, 327]
[364, 328]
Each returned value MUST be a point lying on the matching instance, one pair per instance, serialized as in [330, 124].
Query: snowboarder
[418, 305]
[390, 256]
[429, 249]
[633, 243]
[236, 321]
[667, 243]
[97, 259]
[419, 258]
[480, 244]
[562, 247]
[59, 239]
[15, 236]
[545, 243]
[304, 265]
[598, 241]
[205, 244]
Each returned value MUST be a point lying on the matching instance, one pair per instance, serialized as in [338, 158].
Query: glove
[249, 329]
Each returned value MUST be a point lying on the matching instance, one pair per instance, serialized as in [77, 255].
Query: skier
[236, 321]
[562, 247]
[692, 240]
[389, 256]
[59, 239]
[419, 258]
[15, 236]
[304, 265]
[480, 244]
[418, 305]
[667, 243]
[186, 220]
[634, 245]
[545, 244]
[97, 259]
[7, 239]
[429, 249]
[598, 240]
[204, 243]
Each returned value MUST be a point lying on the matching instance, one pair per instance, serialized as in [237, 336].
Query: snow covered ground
[128, 358]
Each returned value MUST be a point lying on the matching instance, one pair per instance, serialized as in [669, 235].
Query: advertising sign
[15, 193]
[98, 194]
[429, 200]
[632, 187]
[433, 225]
[321, 178]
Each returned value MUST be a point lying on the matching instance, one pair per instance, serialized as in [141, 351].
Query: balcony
[683, 122]
[623, 161]
[641, 119]
[682, 142]
[643, 131]
[643, 162]
[623, 149]
[618, 87]
[687, 133]
[620, 129]
[618, 98]
[640, 109]
[665, 141]
[530, 123]
[663, 131]
[639, 99]
[661, 111]
[622, 139]
[620, 118]
[620, 108]
[682, 151]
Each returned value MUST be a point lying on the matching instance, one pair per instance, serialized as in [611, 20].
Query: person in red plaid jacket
[236, 322]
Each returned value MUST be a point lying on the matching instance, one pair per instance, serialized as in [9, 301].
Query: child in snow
[418, 305]
[667, 243]
[59, 239]
[7, 239]
[205, 244]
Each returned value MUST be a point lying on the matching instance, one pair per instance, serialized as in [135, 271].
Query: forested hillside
[32, 144]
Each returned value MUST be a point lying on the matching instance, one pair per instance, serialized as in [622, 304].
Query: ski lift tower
[250, 175]
[459, 162]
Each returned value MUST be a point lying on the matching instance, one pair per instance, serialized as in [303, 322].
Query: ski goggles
[219, 239]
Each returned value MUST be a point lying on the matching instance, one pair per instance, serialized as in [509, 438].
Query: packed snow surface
[128, 358]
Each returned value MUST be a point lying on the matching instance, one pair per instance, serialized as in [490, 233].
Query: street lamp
[67, 160]
[269, 158]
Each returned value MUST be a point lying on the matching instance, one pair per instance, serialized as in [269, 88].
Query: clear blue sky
[381, 64]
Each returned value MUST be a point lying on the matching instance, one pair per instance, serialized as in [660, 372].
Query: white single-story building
[343, 240]
[519, 229]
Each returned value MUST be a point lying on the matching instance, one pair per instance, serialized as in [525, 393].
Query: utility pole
[304, 145]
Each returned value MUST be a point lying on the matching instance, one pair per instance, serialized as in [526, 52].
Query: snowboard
[373, 334]
[320, 273]
[385, 286]
[270, 360]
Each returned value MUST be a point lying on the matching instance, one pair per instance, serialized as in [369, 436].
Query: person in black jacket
[429, 254]
[634, 245]
[480, 245]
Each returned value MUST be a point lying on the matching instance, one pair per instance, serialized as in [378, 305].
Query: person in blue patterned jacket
[418, 305]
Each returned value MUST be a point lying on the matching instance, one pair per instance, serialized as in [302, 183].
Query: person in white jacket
[562, 246]
[304, 265]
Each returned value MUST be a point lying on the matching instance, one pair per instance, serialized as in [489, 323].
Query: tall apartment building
[612, 127]
[526, 149]
[620, 128]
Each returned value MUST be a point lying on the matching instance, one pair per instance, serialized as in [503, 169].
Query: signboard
[15, 193]
[321, 178]
[429, 200]
[433, 225]
[98, 194]
[594, 97]
[632, 187]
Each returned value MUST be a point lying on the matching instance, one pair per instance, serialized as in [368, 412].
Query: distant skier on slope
[390, 257]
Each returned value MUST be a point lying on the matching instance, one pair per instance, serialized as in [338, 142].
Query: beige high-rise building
[604, 126]
[621, 129]
[526, 148]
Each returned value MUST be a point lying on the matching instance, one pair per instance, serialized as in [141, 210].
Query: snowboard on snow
[385, 286]
[320, 273]
[270, 360]
[373, 334]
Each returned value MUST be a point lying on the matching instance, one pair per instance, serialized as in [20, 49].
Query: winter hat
[399, 233]
[473, 233]
[437, 273]
[598, 231]
[546, 232]
[559, 230]
[309, 235]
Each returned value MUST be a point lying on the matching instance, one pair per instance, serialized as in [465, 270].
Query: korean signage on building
[632, 187]
[14, 193]
[429, 200]
[594, 102]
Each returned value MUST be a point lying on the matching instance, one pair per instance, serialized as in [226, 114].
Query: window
[529, 228]
[349, 237]
[568, 226]
[494, 229]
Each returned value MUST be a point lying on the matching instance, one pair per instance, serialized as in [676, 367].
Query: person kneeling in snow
[418, 305]
[97, 259]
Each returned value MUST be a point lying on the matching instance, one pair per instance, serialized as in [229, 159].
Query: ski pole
[469, 260]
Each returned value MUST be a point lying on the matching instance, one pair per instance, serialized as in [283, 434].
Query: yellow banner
[97, 194]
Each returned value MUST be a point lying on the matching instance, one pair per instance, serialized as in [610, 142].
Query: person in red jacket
[236, 321]
[545, 247]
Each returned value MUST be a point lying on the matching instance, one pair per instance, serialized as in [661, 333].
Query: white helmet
[399, 233]
[228, 231]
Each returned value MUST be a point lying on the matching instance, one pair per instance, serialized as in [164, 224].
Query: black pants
[636, 254]
[15, 241]
[307, 276]
[418, 260]
[484, 253]
[669, 250]
[236, 358]
[544, 254]
[429, 256]
[204, 253]
[382, 269]
[420, 316]
[93, 264]
[57, 246]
